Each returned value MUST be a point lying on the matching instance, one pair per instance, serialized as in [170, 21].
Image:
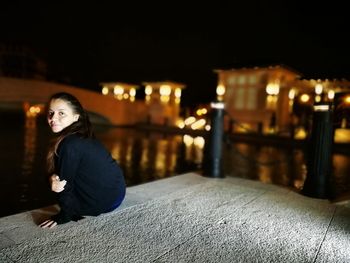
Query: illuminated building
[119, 90]
[163, 101]
[272, 99]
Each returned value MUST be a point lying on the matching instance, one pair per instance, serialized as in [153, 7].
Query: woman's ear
[76, 117]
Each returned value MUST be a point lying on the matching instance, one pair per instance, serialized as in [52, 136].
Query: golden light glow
[180, 123]
[347, 99]
[165, 90]
[105, 90]
[304, 98]
[318, 98]
[318, 89]
[300, 134]
[118, 90]
[271, 102]
[190, 120]
[331, 94]
[177, 100]
[148, 90]
[125, 96]
[33, 111]
[132, 92]
[199, 142]
[321, 107]
[291, 94]
[244, 127]
[164, 98]
[119, 96]
[188, 140]
[177, 92]
[220, 90]
[201, 111]
[198, 124]
[273, 88]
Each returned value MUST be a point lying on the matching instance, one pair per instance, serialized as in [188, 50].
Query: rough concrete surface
[189, 218]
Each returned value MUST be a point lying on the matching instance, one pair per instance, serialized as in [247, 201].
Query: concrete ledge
[189, 218]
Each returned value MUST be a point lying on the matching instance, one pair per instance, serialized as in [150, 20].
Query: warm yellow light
[342, 135]
[300, 134]
[273, 88]
[105, 90]
[198, 124]
[132, 92]
[188, 140]
[177, 92]
[118, 90]
[291, 94]
[33, 111]
[304, 98]
[180, 124]
[199, 142]
[207, 127]
[318, 89]
[165, 90]
[220, 90]
[347, 99]
[190, 120]
[125, 96]
[164, 98]
[271, 102]
[202, 111]
[177, 100]
[119, 96]
[317, 98]
[148, 90]
[331, 94]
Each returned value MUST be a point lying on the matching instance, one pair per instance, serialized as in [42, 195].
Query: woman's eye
[61, 113]
[50, 114]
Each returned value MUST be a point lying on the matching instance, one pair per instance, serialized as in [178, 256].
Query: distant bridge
[102, 109]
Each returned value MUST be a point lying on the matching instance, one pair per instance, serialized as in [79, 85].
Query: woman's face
[60, 115]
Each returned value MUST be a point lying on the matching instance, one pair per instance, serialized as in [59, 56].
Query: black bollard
[212, 164]
[317, 183]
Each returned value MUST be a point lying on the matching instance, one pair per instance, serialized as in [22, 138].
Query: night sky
[135, 41]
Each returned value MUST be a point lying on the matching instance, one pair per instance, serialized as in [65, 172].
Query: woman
[85, 177]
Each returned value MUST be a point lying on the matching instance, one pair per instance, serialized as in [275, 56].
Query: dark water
[144, 157]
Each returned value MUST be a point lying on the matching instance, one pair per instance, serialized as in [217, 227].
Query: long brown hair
[81, 127]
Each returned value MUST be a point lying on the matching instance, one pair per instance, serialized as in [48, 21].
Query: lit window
[239, 98]
[252, 98]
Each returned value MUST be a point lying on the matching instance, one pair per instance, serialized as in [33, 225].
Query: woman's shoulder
[74, 140]
[71, 138]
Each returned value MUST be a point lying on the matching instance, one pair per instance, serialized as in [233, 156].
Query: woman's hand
[48, 224]
[56, 184]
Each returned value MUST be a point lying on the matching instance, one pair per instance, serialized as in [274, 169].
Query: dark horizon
[92, 43]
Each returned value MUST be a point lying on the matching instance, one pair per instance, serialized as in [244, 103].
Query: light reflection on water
[144, 157]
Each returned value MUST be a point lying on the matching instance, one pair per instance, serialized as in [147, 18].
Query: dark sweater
[95, 182]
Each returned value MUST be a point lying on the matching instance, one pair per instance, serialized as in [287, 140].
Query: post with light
[212, 164]
[317, 183]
